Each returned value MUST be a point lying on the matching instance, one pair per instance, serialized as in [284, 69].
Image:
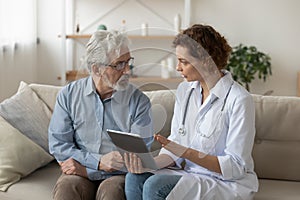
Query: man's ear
[96, 70]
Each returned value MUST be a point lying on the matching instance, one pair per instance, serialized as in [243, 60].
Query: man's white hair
[104, 46]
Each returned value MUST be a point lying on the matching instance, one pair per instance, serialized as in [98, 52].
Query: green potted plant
[246, 63]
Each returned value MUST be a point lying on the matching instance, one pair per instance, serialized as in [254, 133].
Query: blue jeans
[148, 186]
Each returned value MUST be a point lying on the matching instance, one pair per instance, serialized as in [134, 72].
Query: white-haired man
[92, 168]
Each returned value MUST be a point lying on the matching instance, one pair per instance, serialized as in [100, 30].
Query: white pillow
[19, 156]
[29, 114]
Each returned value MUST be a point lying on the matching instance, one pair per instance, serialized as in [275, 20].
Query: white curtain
[18, 40]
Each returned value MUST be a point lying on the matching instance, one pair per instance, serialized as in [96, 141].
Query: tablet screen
[129, 142]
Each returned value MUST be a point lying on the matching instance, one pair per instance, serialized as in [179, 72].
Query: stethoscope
[181, 129]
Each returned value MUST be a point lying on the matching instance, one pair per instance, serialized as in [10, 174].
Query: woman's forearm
[163, 161]
[207, 161]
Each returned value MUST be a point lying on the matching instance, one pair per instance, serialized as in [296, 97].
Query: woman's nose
[178, 67]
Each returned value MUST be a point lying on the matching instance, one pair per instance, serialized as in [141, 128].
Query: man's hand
[134, 164]
[72, 167]
[111, 162]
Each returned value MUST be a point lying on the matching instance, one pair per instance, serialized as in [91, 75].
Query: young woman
[212, 130]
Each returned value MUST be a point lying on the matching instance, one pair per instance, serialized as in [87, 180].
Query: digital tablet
[129, 142]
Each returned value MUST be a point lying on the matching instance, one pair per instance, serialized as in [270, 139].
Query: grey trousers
[72, 187]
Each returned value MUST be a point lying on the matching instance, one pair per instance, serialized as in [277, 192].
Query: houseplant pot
[247, 63]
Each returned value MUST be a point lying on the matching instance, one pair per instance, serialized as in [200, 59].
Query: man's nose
[126, 69]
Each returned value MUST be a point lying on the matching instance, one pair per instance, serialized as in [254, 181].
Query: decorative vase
[144, 29]
[177, 23]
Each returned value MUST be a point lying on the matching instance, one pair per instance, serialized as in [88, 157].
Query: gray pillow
[19, 155]
[29, 114]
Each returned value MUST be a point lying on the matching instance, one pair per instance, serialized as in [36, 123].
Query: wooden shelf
[149, 37]
[156, 79]
[156, 83]
[145, 83]
[73, 75]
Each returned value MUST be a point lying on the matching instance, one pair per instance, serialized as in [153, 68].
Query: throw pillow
[29, 114]
[19, 155]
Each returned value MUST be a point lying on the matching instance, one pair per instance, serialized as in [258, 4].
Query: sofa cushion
[162, 111]
[47, 93]
[36, 186]
[276, 189]
[277, 143]
[26, 112]
[19, 155]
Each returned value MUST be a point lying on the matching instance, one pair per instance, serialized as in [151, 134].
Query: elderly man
[92, 168]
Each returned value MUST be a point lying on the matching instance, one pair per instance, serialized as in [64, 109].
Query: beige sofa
[276, 151]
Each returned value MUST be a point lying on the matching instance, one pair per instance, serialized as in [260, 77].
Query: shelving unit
[144, 83]
[70, 52]
[149, 37]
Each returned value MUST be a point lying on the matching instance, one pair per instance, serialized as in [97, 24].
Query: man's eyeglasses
[122, 64]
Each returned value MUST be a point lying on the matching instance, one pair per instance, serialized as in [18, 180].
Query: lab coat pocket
[208, 134]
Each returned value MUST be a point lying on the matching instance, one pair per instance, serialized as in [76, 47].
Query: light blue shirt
[80, 118]
[227, 134]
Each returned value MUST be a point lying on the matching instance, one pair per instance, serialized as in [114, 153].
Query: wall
[147, 53]
[271, 25]
[50, 57]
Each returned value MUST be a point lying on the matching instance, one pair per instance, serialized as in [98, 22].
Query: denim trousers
[148, 186]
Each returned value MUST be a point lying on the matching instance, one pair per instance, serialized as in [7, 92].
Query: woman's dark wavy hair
[202, 42]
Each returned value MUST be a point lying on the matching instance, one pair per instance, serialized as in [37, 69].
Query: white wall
[271, 25]
[50, 58]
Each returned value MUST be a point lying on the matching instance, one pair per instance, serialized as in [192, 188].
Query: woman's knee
[152, 183]
[159, 186]
[134, 185]
[136, 179]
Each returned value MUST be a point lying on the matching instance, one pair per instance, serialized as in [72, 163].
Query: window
[17, 23]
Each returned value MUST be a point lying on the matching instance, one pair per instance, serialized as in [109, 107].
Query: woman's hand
[173, 147]
[208, 161]
[134, 164]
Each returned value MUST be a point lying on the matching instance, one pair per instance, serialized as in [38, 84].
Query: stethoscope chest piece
[181, 131]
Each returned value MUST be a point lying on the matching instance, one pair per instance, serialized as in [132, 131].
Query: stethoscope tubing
[182, 129]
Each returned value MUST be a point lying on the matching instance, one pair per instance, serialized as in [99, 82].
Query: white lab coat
[229, 135]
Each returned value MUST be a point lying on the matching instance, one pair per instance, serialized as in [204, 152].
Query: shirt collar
[222, 86]
[220, 89]
[123, 97]
[194, 84]
[90, 87]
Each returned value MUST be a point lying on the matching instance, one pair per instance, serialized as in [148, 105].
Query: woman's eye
[183, 62]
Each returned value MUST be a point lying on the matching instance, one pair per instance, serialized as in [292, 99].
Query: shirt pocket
[83, 133]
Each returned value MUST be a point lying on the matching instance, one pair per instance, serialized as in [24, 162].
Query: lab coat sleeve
[237, 160]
